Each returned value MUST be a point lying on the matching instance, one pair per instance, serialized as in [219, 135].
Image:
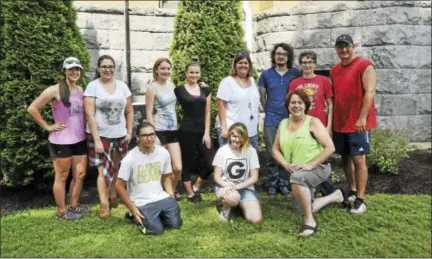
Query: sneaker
[177, 196]
[141, 229]
[359, 208]
[80, 209]
[69, 215]
[224, 215]
[351, 198]
[194, 199]
[128, 215]
[284, 190]
[271, 191]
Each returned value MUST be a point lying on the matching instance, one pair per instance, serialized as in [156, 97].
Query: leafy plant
[212, 32]
[387, 149]
[36, 37]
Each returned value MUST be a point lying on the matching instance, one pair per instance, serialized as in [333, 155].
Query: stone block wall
[151, 32]
[395, 35]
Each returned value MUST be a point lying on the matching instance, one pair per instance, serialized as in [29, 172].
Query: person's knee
[253, 219]
[232, 199]
[80, 175]
[156, 230]
[176, 223]
[298, 178]
[61, 176]
[359, 161]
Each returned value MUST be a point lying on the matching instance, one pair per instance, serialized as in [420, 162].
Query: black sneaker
[129, 216]
[196, 198]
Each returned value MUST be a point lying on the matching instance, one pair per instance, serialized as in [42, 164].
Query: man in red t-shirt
[354, 116]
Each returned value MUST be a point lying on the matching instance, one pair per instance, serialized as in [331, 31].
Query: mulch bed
[414, 177]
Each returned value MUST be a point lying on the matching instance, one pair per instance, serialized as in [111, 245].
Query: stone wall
[151, 32]
[395, 35]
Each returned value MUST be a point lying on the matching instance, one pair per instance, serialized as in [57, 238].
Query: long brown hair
[64, 92]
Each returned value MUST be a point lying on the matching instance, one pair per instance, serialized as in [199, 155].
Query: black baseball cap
[344, 38]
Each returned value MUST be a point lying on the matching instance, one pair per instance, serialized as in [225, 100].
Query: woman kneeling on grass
[236, 171]
[67, 145]
[302, 146]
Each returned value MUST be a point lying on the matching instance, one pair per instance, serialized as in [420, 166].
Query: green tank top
[298, 147]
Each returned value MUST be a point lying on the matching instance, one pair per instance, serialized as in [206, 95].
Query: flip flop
[345, 203]
[307, 227]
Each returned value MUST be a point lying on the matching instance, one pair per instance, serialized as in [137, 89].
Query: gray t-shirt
[110, 109]
[236, 166]
[143, 173]
[165, 118]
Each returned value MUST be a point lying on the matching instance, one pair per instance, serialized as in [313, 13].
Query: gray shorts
[312, 178]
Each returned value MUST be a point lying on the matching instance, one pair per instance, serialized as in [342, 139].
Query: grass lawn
[394, 226]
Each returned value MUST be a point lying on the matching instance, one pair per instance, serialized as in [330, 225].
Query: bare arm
[250, 181]
[129, 117]
[168, 183]
[43, 99]
[322, 136]
[263, 96]
[206, 139]
[89, 107]
[149, 99]
[369, 86]
[121, 191]
[329, 102]
[221, 104]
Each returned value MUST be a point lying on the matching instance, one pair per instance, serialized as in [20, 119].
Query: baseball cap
[344, 38]
[71, 62]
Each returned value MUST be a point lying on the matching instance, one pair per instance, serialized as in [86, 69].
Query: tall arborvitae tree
[211, 31]
[36, 37]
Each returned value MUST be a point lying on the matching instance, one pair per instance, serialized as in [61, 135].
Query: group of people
[302, 111]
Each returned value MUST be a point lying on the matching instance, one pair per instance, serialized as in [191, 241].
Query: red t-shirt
[318, 89]
[348, 96]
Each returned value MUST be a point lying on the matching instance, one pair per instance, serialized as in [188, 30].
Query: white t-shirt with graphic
[110, 108]
[235, 165]
[242, 104]
[143, 173]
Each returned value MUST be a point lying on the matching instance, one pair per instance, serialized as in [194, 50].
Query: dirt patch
[415, 177]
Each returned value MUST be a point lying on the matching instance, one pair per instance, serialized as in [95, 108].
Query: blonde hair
[241, 129]
[157, 64]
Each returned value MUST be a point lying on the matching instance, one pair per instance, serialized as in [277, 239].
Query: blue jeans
[222, 142]
[161, 214]
[276, 176]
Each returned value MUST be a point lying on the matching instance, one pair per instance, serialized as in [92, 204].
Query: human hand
[128, 137]
[56, 127]
[206, 141]
[99, 147]
[302, 167]
[224, 133]
[288, 167]
[203, 85]
[138, 217]
[360, 125]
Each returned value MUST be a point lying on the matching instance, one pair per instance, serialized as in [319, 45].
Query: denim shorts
[245, 194]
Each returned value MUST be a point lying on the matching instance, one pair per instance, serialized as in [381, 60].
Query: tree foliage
[36, 37]
[212, 32]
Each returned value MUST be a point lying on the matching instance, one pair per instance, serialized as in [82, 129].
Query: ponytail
[64, 93]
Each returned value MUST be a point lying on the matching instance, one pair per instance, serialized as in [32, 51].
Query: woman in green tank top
[302, 147]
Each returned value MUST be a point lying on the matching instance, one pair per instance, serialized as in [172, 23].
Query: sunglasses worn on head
[69, 62]
[242, 54]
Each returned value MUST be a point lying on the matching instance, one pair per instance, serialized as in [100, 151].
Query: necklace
[292, 140]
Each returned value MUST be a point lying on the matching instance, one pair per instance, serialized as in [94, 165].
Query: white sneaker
[224, 215]
[358, 209]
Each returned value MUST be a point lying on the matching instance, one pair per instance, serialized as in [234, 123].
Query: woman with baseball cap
[67, 145]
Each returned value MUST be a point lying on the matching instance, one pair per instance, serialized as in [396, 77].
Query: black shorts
[62, 151]
[167, 136]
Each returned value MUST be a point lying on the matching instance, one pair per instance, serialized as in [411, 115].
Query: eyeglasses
[242, 54]
[343, 46]
[150, 135]
[69, 62]
[307, 63]
[107, 67]
[282, 54]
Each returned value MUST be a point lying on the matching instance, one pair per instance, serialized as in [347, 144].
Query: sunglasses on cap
[242, 54]
[70, 62]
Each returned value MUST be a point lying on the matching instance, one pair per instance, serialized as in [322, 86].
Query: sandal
[69, 215]
[104, 211]
[307, 227]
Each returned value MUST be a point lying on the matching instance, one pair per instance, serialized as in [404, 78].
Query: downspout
[127, 34]
[248, 25]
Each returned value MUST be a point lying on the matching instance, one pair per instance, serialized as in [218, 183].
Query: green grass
[394, 226]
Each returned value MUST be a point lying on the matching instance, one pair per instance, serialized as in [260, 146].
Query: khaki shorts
[312, 178]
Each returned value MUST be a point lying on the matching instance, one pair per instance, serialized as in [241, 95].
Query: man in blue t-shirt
[273, 87]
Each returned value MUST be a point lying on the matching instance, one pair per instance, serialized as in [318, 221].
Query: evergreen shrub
[36, 37]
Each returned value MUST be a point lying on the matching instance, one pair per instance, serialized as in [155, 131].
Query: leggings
[190, 143]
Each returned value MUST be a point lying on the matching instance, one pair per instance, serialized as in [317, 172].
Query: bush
[387, 149]
[212, 32]
[36, 37]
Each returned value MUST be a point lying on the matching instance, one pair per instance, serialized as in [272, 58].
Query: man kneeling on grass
[144, 169]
